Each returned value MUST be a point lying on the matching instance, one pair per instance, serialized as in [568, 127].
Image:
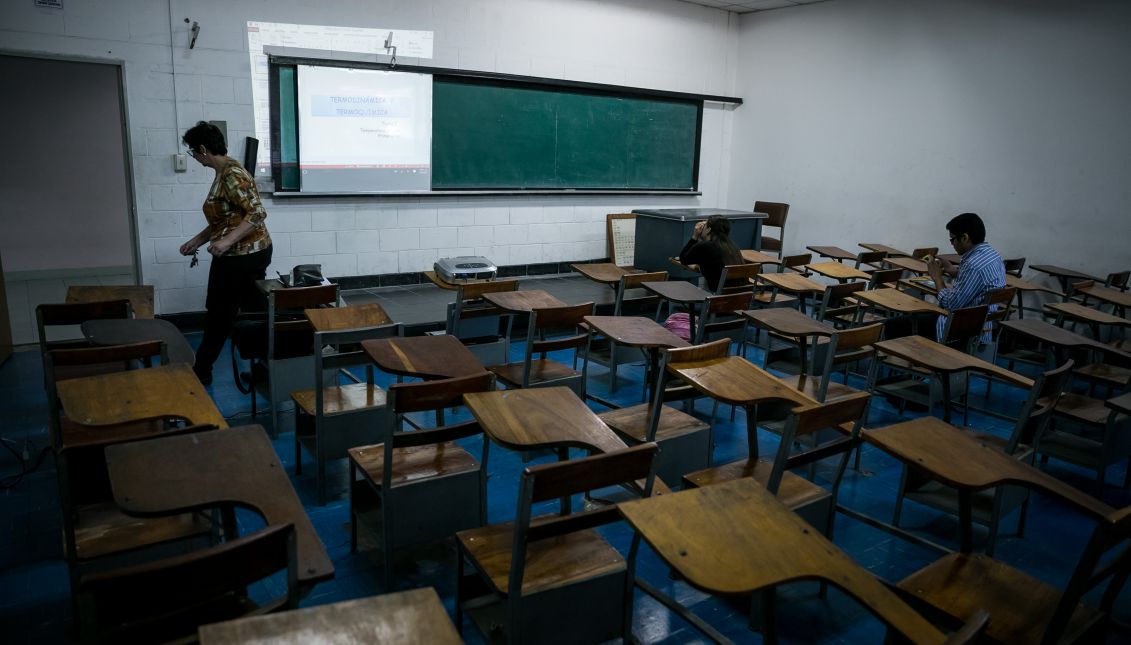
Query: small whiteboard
[622, 238]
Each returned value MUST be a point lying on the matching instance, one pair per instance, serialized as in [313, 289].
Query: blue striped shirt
[980, 271]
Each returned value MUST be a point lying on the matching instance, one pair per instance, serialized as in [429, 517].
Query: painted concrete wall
[878, 120]
[662, 44]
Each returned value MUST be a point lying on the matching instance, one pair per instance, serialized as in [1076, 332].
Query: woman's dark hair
[207, 135]
[719, 228]
[969, 224]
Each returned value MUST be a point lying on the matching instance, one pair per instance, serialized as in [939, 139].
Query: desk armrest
[1121, 403]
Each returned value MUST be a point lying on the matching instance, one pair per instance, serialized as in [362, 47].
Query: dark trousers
[231, 288]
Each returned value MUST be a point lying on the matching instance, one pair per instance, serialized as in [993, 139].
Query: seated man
[980, 271]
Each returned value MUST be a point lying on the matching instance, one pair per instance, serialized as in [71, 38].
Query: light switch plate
[180, 163]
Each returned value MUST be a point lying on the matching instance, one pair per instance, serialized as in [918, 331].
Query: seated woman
[711, 248]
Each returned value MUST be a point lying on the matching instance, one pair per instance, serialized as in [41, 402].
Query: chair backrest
[1075, 289]
[884, 277]
[1039, 405]
[470, 303]
[347, 353]
[833, 306]
[706, 352]
[431, 396]
[548, 319]
[1118, 280]
[720, 315]
[74, 313]
[1014, 266]
[633, 281]
[807, 420]
[870, 258]
[110, 358]
[156, 601]
[964, 326]
[776, 214]
[923, 252]
[298, 334]
[791, 262]
[736, 278]
[856, 338]
[847, 346]
[561, 480]
[1000, 306]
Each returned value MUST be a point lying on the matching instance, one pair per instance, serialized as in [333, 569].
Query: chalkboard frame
[285, 180]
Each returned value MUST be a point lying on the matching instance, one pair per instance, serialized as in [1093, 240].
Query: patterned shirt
[980, 271]
[233, 198]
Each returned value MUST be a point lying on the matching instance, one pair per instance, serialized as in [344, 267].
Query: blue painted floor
[34, 590]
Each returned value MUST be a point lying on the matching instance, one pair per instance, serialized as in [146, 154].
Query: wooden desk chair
[764, 546]
[871, 260]
[884, 278]
[846, 347]
[1014, 266]
[793, 262]
[1000, 304]
[777, 213]
[1118, 280]
[1024, 609]
[478, 323]
[285, 362]
[1076, 291]
[69, 315]
[331, 417]
[629, 297]
[685, 442]
[165, 601]
[1000, 307]
[543, 335]
[740, 277]
[737, 278]
[963, 328]
[426, 486]
[989, 505]
[1109, 369]
[720, 317]
[838, 307]
[94, 528]
[540, 567]
[1092, 433]
[809, 500]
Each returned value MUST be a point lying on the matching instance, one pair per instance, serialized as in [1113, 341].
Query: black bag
[306, 275]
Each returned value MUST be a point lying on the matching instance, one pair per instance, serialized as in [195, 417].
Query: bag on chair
[680, 325]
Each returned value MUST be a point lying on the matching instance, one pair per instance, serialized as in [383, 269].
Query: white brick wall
[615, 41]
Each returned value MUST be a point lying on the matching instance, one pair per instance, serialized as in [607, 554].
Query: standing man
[980, 271]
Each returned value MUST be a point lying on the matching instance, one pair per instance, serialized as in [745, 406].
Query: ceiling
[750, 6]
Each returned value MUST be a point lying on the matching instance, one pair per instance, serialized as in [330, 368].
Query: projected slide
[362, 130]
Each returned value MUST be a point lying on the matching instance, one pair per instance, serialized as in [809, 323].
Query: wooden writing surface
[621, 236]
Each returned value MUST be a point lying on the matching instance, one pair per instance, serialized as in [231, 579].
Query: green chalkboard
[491, 134]
[513, 136]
